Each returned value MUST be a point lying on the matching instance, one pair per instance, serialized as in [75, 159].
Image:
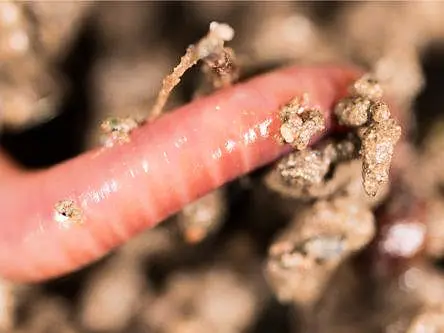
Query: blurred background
[65, 66]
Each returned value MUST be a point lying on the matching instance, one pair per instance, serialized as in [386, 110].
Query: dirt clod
[353, 111]
[117, 130]
[303, 258]
[67, 213]
[300, 123]
[377, 148]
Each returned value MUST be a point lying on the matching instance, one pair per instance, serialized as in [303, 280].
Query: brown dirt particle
[353, 111]
[300, 123]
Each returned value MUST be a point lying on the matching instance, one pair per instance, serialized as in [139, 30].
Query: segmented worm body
[122, 190]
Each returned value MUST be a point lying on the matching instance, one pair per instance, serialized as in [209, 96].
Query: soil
[298, 246]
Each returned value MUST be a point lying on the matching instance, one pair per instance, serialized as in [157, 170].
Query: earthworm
[168, 163]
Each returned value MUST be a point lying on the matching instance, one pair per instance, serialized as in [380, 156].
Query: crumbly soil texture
[343, 236]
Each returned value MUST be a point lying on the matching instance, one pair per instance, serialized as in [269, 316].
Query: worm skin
[168, 163]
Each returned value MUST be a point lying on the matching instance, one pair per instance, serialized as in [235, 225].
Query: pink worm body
[127, 188]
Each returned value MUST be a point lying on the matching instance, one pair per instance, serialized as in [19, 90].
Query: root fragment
[210, 49]
[300, 123]
[221, 68]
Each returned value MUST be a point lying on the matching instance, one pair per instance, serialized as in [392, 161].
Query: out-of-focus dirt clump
[303, 232]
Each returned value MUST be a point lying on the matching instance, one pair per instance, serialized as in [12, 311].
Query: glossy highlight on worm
[168, 163]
